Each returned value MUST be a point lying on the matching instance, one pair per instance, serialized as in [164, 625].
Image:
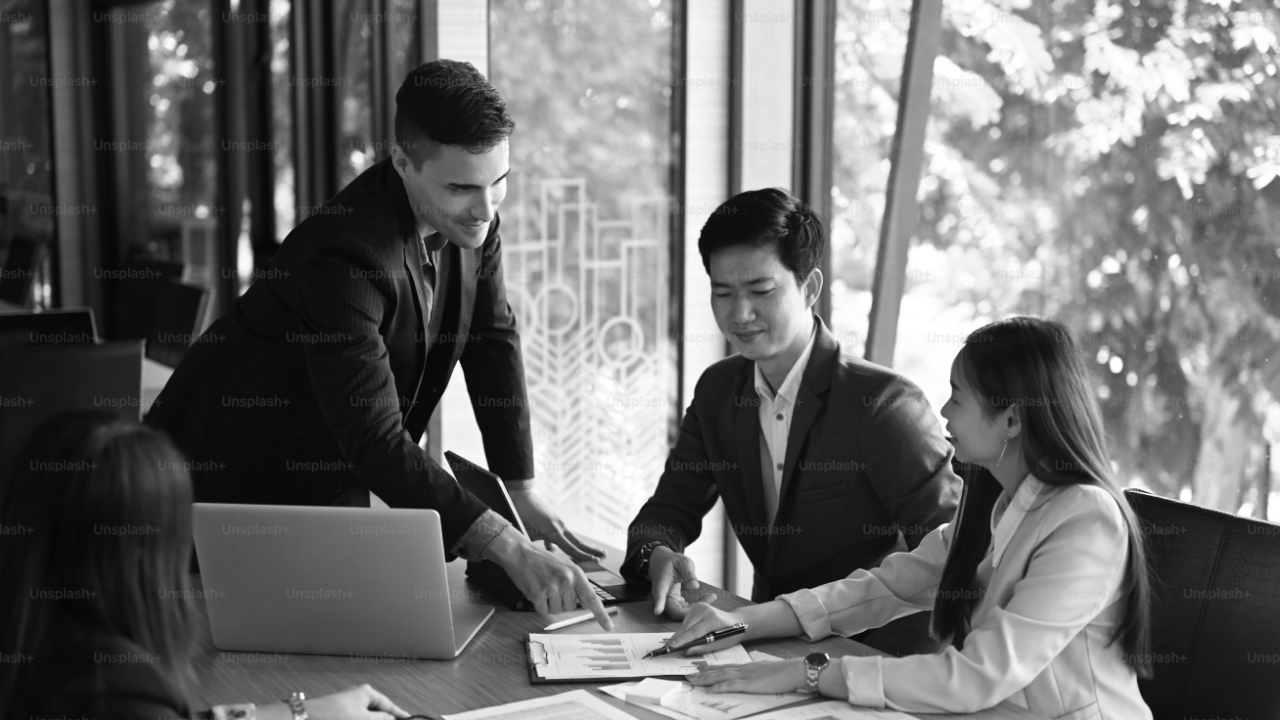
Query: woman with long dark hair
[1040, 586]
[95, 605]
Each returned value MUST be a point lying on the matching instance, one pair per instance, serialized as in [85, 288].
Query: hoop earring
[1007, 438]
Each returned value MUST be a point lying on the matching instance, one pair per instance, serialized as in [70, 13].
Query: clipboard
[536, 655]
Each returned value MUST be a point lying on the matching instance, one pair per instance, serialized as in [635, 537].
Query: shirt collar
[429, 240]
[1011, 513]
[791, 384]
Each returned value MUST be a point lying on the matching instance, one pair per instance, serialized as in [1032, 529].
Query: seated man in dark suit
[322, 376]
[825, 462]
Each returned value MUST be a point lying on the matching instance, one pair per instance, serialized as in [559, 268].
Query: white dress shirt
[776, 412]
[1041, 631]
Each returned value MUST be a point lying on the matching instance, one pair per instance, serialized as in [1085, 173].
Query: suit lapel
[747, 432]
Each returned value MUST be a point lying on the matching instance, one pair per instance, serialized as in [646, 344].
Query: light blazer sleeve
[1076, 567]
[904, 583]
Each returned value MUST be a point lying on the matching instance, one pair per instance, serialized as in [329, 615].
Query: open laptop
[490, 490]
[330, 581]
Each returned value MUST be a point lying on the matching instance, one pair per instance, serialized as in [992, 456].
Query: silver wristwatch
[814, 664]
[297, 707]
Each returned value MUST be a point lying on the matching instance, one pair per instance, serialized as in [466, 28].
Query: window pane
[586, 244]
[285, 197]
[27, 210]
[164, 152]
[871, 37]
[355, 118]
[1108, 165]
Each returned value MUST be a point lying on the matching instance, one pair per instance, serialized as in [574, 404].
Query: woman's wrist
[772, 619]
[274, 711]
[831, 680]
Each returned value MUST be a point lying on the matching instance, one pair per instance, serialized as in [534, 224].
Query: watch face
[818, 660]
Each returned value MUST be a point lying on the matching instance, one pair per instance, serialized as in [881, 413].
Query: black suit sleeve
[686, 492]
[494, 368]
[340, 309]
[908, 459]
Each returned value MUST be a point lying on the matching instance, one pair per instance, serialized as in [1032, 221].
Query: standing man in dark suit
[825, 462]
[323, 374]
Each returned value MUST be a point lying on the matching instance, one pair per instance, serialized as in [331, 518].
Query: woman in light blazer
[1040, 586]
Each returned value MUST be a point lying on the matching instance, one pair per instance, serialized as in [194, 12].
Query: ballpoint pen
[577, 619]
[704, 640]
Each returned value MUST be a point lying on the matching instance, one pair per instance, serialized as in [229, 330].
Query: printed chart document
[614, 656]
[698, 704]
[576, 705]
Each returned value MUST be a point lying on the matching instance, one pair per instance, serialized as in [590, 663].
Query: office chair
[1215, 621]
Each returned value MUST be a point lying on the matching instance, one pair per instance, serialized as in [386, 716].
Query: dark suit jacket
[318, 377]
[866, 459]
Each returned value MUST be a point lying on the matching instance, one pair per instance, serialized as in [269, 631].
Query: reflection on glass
[164, 148]
[585, 230]
[871, 36]
[27, 210]
[1108, 164]
[403, 24]
[355, 120]
[285, 198]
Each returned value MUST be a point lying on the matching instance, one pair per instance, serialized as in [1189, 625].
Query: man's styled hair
[448, 102]
[766, 218]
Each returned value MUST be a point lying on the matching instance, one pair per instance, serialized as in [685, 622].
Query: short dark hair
[448, 102]
[768, 217]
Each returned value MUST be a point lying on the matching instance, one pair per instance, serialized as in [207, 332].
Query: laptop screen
[486, 486]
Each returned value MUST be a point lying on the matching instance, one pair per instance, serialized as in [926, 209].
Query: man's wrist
[646, 556]
[503, 549]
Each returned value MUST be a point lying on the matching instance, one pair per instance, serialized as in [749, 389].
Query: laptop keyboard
[603, 594]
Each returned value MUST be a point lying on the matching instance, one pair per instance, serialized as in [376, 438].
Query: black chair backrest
[64, 326]
[39, 381]
[176, 320]
[138, 294]
[19, 271]
[1215, 625]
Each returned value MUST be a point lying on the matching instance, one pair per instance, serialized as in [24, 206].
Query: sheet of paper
[575, 705]
[620, 691]
[832, 710]
[762, 656]
[693, 703]
[610, 655]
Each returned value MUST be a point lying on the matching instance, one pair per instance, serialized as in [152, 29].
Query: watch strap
[296, 706]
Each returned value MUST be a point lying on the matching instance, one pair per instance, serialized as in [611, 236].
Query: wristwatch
[814, 663]
[646, 550]
[297, 707]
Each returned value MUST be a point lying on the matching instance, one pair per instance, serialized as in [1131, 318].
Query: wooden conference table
[490, 671]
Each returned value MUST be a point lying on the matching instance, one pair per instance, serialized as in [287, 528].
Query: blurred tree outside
[1113, 165]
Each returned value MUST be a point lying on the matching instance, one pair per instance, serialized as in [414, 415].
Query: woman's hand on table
[773, 676]
[701, 618]
[359, 702]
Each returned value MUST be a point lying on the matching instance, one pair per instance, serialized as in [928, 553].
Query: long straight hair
[1034, 365]
[97, 511]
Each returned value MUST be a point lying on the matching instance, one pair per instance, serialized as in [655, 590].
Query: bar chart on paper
[615, 656]
[604, 655]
